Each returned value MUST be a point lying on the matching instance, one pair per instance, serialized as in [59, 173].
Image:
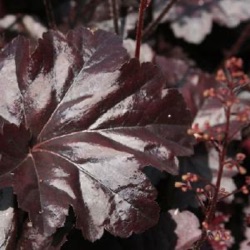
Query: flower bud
[240, 157]
[242, 170]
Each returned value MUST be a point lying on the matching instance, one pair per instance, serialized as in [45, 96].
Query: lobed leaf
[192, 20]
[78, 123]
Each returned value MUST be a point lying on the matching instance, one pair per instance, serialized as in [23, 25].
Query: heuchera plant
[80, 122]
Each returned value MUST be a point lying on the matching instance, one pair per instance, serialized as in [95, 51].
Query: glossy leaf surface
[78, 123]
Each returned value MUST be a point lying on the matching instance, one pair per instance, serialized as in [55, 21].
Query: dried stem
[147, 32]
[114, 14]
[142, 8]
[50, 14]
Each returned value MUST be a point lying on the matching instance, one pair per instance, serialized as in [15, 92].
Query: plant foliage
[78, 122]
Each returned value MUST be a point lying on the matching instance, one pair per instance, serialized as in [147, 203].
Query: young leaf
[79, 122]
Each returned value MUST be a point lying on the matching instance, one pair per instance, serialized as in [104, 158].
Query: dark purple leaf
[187, 230]
[213, 111]
[245, 244]
[173, 69]
[78, 125]
[191, 80]
[195, 83]
[192, 20]
[32, 238]
[8, 219]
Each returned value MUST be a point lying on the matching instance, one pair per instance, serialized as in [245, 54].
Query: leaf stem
[50, 14]
[151, 27]
[245, 34]
[143, 6]
[114, 15]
